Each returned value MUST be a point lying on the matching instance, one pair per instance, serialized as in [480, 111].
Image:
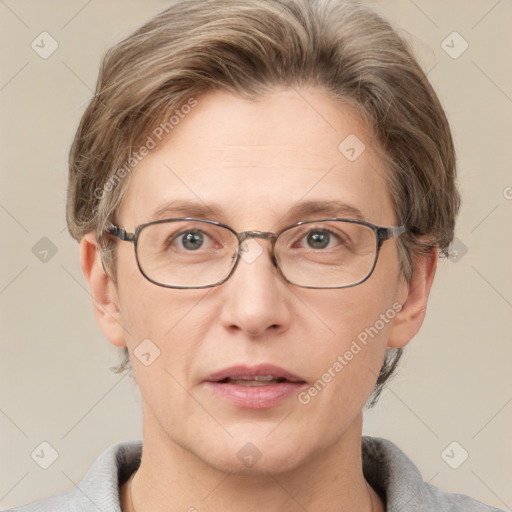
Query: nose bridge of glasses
[249, 255]
[265, 235]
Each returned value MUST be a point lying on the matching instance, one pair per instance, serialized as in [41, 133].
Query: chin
[255, 455]
[268, 463]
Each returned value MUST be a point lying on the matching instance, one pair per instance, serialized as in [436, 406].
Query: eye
[191, 240]
[320, 239]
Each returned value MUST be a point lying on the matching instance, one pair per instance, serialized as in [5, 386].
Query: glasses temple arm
[384, 234]
[121, 233]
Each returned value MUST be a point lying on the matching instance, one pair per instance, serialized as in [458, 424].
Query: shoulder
[399, 481]
[99, 488]
[68, 500]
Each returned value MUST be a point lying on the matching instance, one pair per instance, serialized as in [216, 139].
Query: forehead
[253, 162]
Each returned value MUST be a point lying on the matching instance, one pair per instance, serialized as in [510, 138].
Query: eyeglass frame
[381, 235]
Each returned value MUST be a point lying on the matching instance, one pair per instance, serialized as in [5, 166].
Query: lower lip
[255, 397]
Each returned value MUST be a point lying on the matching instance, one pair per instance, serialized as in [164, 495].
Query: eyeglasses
[196, 253]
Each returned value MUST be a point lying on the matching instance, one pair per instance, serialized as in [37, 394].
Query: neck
[172, 478]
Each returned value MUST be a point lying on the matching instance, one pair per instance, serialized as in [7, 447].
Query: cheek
[155, 321]
[148, 310]
[347, 360]
[348, 313]
[164, 330]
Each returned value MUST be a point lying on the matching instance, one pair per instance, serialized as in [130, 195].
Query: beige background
[455, 383]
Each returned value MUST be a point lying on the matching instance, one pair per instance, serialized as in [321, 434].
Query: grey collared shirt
[388, 470]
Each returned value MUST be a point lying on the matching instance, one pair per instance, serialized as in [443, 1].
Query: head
[244, 107]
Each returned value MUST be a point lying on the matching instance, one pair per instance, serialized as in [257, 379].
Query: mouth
[257, 380]
[259, 375]
[255, 387]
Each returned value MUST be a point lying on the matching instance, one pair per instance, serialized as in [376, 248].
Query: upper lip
[243, 371]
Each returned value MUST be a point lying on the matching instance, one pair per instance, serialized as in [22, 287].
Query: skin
[256, 160]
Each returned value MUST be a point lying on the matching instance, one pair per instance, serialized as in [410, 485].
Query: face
[252, 163]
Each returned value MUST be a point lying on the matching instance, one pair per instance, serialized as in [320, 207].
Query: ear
[413, 297]
[103, 291]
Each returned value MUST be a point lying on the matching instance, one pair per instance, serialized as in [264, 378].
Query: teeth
[255, 377]
[256, 380]
[252, 383]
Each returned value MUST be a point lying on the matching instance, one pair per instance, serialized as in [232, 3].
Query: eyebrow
[187, 209]
[297, 212]
[325, 208]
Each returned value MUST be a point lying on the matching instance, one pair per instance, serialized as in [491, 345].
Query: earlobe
[103, 291]
[414, 298]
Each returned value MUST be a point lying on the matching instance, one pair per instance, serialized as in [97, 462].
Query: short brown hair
[248, 47]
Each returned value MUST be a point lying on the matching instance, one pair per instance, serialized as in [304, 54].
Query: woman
[261, 190]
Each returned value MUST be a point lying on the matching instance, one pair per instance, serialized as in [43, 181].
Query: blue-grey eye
[192, 240]
[318, 239]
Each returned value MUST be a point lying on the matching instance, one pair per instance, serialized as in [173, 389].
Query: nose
[257, 298]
